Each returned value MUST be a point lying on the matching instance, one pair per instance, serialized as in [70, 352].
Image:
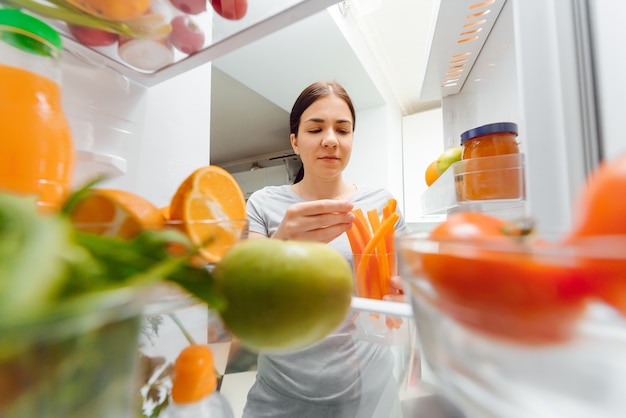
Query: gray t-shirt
[340, 376]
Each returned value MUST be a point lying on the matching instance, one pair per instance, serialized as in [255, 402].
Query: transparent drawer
[376, 361]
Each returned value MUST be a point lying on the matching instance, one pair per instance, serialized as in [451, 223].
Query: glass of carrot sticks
[372, 242]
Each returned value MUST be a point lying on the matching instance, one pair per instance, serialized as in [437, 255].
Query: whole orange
[431, 173]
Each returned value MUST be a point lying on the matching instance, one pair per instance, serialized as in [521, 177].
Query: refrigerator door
[535, 67]
[556, 92]
[553, 67]
[606, 20]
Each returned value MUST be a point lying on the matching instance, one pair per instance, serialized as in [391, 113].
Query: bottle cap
[492, 128]
[16, 19]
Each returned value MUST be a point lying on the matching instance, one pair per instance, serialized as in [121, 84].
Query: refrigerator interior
[548, 65]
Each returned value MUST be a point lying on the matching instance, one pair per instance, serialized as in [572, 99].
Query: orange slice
[115, 212]
[211, 209]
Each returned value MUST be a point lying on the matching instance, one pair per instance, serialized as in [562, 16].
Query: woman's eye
[314, 131]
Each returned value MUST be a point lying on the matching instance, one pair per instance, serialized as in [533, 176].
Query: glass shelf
[221, 36]
[505, 175]
[103, 164]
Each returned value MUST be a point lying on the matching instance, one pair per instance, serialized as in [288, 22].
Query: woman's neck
[335, 189]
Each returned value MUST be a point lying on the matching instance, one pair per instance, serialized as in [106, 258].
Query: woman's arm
[255, 235]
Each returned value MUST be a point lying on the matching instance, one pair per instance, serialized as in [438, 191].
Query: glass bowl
[511, 332]
[76, 361]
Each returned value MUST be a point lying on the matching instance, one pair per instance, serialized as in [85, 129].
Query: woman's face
[324, 140]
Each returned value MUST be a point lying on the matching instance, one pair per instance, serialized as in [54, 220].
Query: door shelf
[487, 184]
[459, 32]
[96, 163]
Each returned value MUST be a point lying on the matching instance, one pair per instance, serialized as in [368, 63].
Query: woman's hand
[397, 294]
[318, 220]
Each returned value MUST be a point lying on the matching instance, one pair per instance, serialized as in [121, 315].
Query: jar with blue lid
[492, 168]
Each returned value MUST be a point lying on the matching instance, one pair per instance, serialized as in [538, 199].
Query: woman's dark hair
[311, 94]
[299, 175]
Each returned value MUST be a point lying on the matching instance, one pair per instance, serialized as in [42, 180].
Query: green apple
[283, 295]
[448, 157]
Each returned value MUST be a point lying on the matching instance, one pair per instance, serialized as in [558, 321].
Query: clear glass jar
[36, 151]
[77, 360]
[487, 175]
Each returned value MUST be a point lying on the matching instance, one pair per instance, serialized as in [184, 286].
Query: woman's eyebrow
[316, 120]
[321, 120]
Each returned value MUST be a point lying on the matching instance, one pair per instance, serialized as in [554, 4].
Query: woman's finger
[318, 207]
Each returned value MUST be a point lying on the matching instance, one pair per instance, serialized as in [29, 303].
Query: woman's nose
[330, 140]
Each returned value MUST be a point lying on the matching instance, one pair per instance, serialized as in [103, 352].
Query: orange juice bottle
[36, 148]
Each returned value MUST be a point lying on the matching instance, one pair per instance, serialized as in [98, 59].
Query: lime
[283, 295]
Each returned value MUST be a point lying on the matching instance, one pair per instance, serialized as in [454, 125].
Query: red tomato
[230, 9]
[492, 282]
[600, 224]
[470, 226]
[604, 261]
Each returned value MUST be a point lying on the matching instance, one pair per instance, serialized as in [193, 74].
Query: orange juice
[36, 149]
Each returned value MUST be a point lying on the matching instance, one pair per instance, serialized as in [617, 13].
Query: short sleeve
[254, 210]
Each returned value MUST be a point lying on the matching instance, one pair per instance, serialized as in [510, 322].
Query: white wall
[377, 151]
[176, 133]
[423, 141]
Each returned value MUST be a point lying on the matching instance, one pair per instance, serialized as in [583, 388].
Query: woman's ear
[294, 143]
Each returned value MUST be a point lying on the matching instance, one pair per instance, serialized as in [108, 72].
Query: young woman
[340, 376]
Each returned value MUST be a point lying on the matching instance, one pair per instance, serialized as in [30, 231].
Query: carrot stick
[373, 281]
[390, 208]
[392, 322]
[367, 283]
[361, 279]
[381, 254]
[385, 228]
[361, 223]
[372, 216]
[355, 239]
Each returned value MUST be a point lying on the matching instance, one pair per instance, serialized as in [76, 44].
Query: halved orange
[211, 209]
[165, 211]
[115, 212]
